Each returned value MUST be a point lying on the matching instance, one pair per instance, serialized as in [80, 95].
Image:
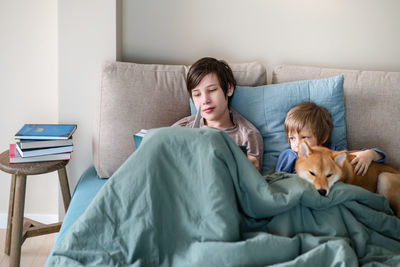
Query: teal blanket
[190, 197]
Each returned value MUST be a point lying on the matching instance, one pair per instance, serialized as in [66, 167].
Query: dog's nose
[322, 192]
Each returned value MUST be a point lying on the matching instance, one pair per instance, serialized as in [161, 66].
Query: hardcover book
[137, 138]
[33, 143]
[43, 151]
[46, 131]
[15, 157]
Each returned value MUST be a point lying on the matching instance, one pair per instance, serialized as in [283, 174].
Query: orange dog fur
[323, 167]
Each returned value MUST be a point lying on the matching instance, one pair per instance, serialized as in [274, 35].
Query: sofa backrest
[371, 101]
[144, 96]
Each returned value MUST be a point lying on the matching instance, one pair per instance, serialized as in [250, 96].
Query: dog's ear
[339, 157]
[304, 150]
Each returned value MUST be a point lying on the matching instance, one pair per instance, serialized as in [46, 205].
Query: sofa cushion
[266, 107]
[372, 105]
[144, 96]
[249, 74]
[131, 97]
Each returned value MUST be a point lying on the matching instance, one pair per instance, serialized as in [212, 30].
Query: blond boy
[312, 123]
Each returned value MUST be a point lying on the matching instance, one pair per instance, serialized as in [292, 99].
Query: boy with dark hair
[312, 123]
[210, 84]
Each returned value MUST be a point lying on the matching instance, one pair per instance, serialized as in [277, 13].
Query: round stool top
[31, 167]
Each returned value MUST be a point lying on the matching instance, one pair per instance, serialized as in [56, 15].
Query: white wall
[87, 38]
[51, 56]
[28, 90]
[361, 34]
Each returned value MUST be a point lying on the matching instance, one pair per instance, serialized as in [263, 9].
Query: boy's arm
[286, 161]
[363, 159]
[255, 149]
[381, 156]
[255, 162]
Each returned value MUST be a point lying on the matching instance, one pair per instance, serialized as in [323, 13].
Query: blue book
[137, 138]
[46, 131]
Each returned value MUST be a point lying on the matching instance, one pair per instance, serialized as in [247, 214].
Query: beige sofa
[136, 96]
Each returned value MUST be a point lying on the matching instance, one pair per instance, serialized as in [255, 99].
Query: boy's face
[209, 95]
[305, 134]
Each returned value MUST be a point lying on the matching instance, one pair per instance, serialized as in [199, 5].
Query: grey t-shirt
[243, 132]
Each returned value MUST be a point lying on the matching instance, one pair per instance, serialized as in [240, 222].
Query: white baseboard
[43, 218]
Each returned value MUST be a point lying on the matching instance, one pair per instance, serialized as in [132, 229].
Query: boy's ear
[304, 150]
[231, 89]
[325, 139]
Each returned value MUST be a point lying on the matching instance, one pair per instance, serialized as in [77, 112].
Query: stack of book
[42, 142]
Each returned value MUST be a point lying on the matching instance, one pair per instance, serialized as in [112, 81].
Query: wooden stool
[18, 227]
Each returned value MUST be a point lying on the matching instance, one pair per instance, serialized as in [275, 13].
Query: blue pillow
[266, 107]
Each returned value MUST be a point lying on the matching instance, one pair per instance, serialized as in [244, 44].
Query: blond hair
[311, 115]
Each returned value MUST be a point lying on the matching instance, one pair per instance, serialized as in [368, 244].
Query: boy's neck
[223, 123]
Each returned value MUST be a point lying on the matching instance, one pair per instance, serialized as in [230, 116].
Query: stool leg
[17, 220]
[66, 194]
[10, 215]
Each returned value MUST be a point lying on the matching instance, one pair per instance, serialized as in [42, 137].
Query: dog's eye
[312, 173]
[329, 175]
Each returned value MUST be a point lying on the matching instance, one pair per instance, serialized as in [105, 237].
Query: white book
[43, 151]
[30, 143]
[15, 157]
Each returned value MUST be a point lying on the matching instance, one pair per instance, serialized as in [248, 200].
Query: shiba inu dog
[323, 167]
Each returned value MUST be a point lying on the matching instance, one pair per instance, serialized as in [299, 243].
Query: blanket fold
[190, 197]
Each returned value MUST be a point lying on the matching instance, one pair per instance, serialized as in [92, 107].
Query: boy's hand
[254, 161]
[363, 159]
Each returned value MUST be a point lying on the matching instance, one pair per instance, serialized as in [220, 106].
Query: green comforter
[189, 197]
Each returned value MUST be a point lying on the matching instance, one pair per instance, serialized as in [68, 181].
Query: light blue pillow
[266, 107]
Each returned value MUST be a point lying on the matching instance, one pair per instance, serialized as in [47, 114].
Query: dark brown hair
[311, 115]
[205, 66]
